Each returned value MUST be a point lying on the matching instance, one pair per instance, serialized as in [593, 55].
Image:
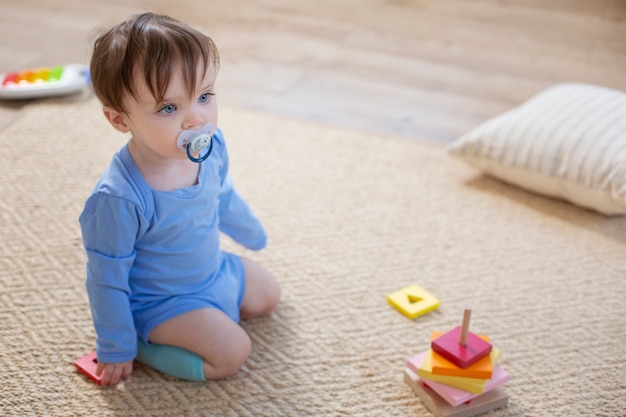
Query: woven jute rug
[351, 217]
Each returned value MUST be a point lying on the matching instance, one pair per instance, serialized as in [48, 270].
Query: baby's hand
[112, 373]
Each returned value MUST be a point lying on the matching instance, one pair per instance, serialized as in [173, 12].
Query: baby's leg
[208, 332]
[171, 360]
[262, 291]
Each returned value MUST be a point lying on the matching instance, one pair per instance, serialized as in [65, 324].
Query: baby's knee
[240, 353]
[273, 298]
[270, 297]
[230, 361]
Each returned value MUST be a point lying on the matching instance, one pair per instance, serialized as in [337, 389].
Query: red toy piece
[87, 365]
[460, 346]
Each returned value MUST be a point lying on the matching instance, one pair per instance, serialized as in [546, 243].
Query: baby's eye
[204, 97]
[168, 109]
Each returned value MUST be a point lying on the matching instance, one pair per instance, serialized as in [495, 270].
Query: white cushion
[568, 141]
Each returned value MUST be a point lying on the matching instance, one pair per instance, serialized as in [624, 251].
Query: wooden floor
[429, 69]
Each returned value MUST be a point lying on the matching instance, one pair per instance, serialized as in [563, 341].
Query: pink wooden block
[449, 347]
[492, 400]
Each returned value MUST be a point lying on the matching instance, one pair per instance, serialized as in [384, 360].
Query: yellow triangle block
[413, 301]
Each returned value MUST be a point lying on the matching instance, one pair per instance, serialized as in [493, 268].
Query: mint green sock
[171, 360]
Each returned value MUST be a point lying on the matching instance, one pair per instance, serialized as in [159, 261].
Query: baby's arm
[109, 227]
[237, 219]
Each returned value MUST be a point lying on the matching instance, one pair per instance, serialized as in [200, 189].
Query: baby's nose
[193, 122]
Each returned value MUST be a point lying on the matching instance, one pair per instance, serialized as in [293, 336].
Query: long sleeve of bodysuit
[110, 226]
[237, 219]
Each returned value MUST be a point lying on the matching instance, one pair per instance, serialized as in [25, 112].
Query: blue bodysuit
[153, 255]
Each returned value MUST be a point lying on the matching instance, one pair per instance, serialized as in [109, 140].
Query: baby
[160, 288]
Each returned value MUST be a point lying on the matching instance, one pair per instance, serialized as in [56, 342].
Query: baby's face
[156, 126]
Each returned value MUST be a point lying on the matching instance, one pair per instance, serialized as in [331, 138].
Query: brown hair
[152, 46]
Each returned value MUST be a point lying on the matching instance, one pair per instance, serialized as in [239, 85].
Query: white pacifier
[194, 141]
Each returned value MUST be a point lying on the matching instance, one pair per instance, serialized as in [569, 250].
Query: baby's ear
[117, 119]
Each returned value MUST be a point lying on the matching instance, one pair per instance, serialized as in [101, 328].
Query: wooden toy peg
[465, 326]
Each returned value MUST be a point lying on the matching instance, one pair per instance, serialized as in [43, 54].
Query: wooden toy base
[440, 408]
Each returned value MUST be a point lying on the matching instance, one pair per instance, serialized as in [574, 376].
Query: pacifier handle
[202, 158]
[196, 140]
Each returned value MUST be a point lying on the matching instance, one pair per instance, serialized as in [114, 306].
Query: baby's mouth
[193, 142]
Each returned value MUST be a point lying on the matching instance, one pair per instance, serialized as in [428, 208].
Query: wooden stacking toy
[458, 375]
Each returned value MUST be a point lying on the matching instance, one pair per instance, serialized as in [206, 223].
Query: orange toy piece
[421, 364]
